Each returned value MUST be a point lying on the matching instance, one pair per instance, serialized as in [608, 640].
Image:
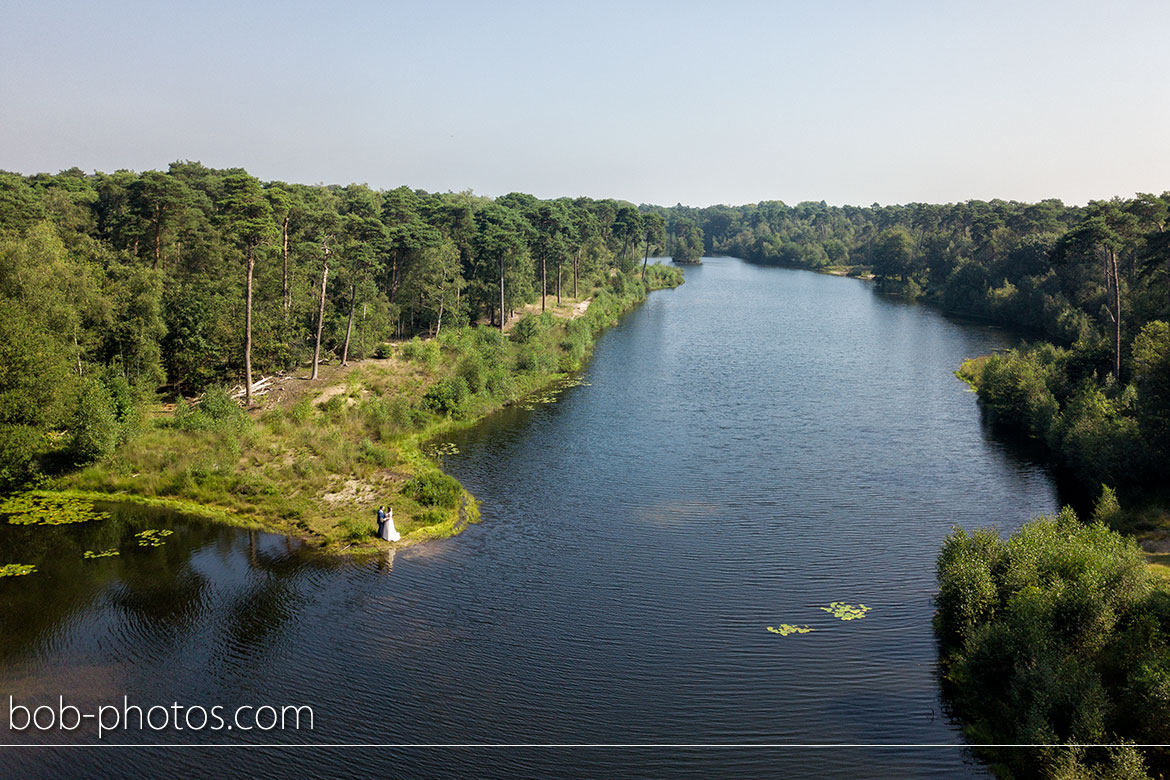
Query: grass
[319, 457]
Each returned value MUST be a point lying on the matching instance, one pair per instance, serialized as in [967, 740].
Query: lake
[741, 452]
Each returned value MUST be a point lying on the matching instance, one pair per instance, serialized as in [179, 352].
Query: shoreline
[272, 472]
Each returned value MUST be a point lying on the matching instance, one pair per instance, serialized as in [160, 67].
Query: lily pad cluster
[838, 609]
[438, 450]
[48, 509]
[16, 569]
[843, 611]
[552, 395]
[152, 537]
[103, 554]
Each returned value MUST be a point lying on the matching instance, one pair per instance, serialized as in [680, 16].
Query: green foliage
[1045, 637]
[217, 411]
[16, 569]
[418, 350]
[1054, 396]
[843, 611]
[44, 508]
[94, 427]
[531, 327]
[153, 537]
[448, 395]
[434, 489]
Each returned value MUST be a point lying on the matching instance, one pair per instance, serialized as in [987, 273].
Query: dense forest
[120, 287]
[1091, 284]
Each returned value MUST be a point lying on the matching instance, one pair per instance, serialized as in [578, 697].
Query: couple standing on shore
[386, 528]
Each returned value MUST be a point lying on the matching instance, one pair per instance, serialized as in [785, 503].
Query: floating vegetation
[153, 537]
[48, 509]
[553, 394]
[839, 609]
[16, 569]
[89, 554]
[436, 451]
[785, 629]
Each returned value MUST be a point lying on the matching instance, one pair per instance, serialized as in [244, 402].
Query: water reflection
[751, 446]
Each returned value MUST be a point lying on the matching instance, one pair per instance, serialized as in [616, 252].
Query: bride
[388, 531]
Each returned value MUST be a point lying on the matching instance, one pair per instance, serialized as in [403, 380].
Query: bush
[1052, 636]
[420, 351]
[217, 411]
[447, 395]
[21, 447]
[94, 430]
[473, 371]
[434, 488]
[531, 327]
[301, 412]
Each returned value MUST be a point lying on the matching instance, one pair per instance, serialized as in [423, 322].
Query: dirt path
[566, 310]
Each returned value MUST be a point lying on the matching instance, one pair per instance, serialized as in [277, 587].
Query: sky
[652, 102]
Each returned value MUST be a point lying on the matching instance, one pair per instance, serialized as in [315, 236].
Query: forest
[125, 288]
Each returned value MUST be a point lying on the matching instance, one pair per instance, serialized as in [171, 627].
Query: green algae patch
[90, 554]
[46, 508]
[16, 569]
[152, 537]
[785, 629]
[843, 611]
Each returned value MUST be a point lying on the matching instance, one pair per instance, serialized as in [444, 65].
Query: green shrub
[384, 350]
[531, 327]
[420, 351]
[94, 430]
[433, 516]
[434, 488]
[354, 529]
[447, 396]
[473, 371]
[21, 447]
[301, 412]
[217, 411]
[1051, 636]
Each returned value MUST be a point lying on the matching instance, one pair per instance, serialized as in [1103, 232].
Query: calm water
[745, 449]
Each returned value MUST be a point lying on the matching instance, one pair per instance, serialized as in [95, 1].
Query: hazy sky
[699, 103]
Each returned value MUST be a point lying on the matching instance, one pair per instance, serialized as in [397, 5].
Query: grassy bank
[316, 458]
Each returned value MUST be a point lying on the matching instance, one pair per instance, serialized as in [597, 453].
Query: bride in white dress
[389, 532]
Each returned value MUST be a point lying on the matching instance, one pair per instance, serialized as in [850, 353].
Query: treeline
[118, 286]
[1092, 281]
[1057, 636]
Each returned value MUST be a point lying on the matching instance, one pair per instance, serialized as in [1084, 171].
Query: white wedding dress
[389, 532]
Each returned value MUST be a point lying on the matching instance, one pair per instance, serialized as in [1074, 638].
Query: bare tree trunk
[576, 263]
[77, 349]
[157, 236]
[501, 293]
[248, 328]
[558, 281]
[543, 282]
[439, 323]
[287, 295]
[321, 310]
[349, 327]
[1116, 316]
[646, 259]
